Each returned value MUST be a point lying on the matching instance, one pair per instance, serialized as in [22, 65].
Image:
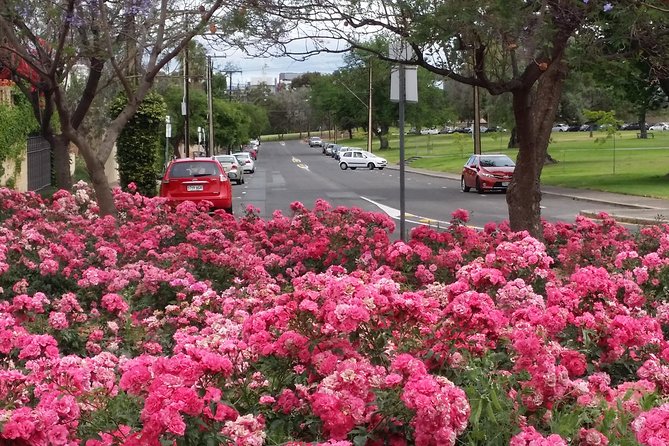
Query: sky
[271, 67]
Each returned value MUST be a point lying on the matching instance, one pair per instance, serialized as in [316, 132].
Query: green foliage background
[138, 146]
[18, 122]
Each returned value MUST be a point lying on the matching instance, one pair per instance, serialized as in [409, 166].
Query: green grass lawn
[633, 166]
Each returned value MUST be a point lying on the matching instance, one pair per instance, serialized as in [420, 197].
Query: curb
[577, 197]
[602, 201]
[642, 221]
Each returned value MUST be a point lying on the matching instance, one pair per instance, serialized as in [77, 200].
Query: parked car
[232, 168]
[315, 141]
[245, 160]
[430, 131]
[329, 148]
[487, 172]
[589, 127]
[560, 128]
[574, 128]
[336, 153]
[361, 158]
[252, 150]
[197, 179]
[660, 126]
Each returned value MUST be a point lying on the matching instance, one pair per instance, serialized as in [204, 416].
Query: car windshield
[496, 161]
[193, 169]
[226, 159]
[242, 155]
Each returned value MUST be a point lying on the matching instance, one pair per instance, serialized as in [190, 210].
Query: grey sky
[271, 67]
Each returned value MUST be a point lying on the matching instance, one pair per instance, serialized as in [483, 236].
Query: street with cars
[292, 171]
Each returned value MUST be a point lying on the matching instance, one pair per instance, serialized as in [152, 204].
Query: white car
[246, 161]
[560, 128]
[659, 126]
[232, 167]
[361, 158]
[430, 131]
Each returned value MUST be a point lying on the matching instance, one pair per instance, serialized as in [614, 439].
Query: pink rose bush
[176, 326]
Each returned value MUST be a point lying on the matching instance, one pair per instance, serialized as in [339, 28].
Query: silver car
[246, 161]
[232, 167]
[361, 158]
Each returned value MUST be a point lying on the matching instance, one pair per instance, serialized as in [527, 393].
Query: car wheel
[353, 168]
[380, 168]
[343, 166]
[243, 180]
[229, 210]
[371, 166]
[464, 186]
[253, 171]
[479, 189]
[239, 182]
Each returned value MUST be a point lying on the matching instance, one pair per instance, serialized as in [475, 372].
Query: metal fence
[39, 163]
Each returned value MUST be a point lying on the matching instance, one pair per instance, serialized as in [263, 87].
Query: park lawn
[631, 166]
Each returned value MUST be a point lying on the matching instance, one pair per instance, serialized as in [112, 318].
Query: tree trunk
[383, 141]
[513, 139]
[534, 113]
[383, 137]
[96, 171]
[643, 132]
[60, 147]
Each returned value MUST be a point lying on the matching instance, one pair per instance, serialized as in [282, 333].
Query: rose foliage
[183, 327]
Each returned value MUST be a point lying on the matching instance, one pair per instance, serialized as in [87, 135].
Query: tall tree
[503, 46]
[133, 39]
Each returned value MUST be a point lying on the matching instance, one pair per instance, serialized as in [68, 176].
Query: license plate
[505, 184]
[194, 188]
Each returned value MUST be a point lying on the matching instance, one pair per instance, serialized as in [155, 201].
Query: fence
[39, 163]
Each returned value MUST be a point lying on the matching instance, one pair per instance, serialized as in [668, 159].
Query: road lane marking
[395, 214]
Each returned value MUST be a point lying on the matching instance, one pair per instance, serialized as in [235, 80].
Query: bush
[138, 145]
[315, 328]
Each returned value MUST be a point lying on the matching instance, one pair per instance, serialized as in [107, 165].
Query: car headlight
[487, 175]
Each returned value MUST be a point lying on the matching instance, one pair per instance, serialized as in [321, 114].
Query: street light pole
[403, 95]
[210, 108]
[369, 111]
[185, 104]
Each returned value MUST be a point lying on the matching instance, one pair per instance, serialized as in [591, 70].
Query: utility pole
[369, 111]
[185, 104]
[210, 108]
[229, 74]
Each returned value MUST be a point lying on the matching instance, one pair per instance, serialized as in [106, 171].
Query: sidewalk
[624, 208]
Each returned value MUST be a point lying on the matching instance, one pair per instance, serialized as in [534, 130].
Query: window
[193, 169]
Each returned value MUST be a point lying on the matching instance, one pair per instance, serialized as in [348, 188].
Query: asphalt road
[292, 171]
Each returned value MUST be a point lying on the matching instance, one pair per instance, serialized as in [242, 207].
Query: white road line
[395, 214]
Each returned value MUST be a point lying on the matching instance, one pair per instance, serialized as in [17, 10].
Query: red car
[197, 179]
[487, 172]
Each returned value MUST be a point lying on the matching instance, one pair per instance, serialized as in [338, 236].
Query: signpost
[403, 89]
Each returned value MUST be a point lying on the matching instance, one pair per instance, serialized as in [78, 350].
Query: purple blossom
[608, 7]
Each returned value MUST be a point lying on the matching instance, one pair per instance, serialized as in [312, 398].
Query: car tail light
[223, 178]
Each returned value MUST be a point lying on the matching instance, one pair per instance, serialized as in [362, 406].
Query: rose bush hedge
[176, 326]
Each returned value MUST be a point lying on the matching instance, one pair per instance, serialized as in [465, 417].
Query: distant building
[285, 79]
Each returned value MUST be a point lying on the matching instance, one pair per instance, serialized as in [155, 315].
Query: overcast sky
[271, 67]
